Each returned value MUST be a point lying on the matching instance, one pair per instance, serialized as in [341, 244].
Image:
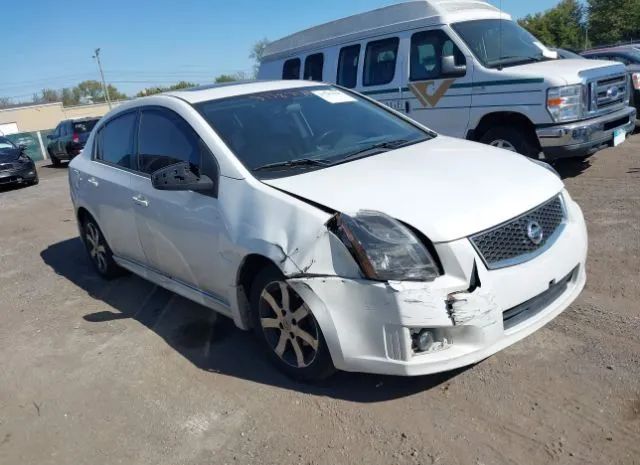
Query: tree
[91, 91]
[612, 21]
[46, 96]
[562, 26]
[160, 89]
[5, 102]
[257, 54]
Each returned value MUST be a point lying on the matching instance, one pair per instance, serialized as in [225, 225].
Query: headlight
[546, 166]
[636, 80]
[23, 158]
[566, 103]
[384, 248]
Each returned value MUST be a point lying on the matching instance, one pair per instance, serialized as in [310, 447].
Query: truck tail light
[76, 137]
[636, 81]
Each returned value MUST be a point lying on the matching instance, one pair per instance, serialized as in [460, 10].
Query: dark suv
[68, 139]
[629, 56]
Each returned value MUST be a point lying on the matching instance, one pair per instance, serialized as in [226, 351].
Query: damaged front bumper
[372, 326]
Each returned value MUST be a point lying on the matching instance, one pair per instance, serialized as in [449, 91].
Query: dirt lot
[124, 372]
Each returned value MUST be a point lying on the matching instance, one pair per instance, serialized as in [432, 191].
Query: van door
[440, 81]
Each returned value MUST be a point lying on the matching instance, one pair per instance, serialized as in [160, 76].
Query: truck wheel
[55, 161]
[287, 329]
[514, 139]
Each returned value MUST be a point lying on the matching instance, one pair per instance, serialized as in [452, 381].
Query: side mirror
[179, 177]
[449, 67]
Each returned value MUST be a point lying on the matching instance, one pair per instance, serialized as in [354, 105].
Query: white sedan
[344, 234]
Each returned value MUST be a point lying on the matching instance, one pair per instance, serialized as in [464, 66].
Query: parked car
[68, 139]
[345, 234]
[464, 69]
[16, 167]
[629, 56]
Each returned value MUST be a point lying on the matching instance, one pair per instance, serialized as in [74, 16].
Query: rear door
[440, 81]
[106, 186]
[179, 230]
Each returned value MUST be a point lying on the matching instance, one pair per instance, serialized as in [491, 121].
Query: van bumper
[584, 138]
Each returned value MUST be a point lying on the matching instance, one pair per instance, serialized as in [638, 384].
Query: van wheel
[514, 139]
[287, 329]
[99, 251]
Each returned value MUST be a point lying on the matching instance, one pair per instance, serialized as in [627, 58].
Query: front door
[440, 83]
[179, 230]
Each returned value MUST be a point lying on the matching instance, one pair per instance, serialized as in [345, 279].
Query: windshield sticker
[333, 96]
[428, 93]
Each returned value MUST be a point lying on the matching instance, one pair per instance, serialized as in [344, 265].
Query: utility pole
[105, 89]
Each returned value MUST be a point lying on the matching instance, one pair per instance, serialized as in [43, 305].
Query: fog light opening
[427, 340]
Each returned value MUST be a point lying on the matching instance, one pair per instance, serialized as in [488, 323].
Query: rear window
[84, 126]
[291, 69]
[348, 66]
[313, 67]
[380, 62]
[115, 140]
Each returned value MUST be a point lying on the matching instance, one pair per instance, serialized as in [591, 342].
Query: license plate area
[619, 136]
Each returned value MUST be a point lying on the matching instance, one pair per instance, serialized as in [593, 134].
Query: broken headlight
[385, 249]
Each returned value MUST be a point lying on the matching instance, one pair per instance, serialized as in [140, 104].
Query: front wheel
[513, 139]
[290, 333]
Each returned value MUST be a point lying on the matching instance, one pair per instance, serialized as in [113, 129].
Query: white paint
[333, 96]
[7, 129]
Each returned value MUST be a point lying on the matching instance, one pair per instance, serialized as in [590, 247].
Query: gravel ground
[124, 372]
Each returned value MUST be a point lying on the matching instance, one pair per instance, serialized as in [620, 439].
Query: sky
[145, 43]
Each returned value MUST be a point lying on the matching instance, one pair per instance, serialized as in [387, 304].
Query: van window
[313, 67]
[348, 66]
[380, 62]
[291, 69]
[427, 50]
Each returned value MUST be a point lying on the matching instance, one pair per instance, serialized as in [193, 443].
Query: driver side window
[427, 50]
[164, 139]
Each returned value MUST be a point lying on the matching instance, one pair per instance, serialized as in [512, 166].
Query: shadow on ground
[571, 167]
[210, 343]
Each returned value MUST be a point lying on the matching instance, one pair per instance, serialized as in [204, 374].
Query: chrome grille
[509, 243]
[608, 93]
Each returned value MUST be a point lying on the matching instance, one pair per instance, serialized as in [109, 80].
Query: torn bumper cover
[374, 326]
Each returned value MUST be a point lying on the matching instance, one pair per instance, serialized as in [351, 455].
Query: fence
[35, 142]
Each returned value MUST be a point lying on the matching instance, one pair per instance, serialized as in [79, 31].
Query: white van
[465, 69]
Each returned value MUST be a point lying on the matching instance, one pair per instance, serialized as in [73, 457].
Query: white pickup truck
[465, 69]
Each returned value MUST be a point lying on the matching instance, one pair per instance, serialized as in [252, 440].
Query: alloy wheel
[288, 325]
[96, 247]
[503, 144]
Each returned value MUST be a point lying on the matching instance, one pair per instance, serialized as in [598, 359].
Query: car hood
[7, 156]
[447, 188]
[566, 72]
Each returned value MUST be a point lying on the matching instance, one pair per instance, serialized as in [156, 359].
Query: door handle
[93, 181]
[140, 200]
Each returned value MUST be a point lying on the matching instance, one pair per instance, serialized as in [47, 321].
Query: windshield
[633, 56]
[500, 43]
[285, 132]
[6, 144]
[84, 126]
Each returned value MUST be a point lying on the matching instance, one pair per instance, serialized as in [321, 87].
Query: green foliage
[561, 26]
[160, 89]
[257, 54]
[46, 96]
[612, 21]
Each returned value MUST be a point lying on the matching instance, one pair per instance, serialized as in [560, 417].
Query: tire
[35, 181]
[295, 346]
[55, 161]
[512, 138]
[100, 253]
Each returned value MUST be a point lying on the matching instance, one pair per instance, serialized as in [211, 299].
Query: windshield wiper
[378, 148]
[514, 60]
[292, 164]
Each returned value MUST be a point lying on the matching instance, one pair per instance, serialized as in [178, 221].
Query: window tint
[313, 67]
[115, 142]
[427, 50]
[84, 126]
[164, 139]
[348, 66]
[291, 69]
[380, 62]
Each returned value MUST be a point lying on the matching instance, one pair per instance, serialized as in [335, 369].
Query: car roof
[619, 48]
[400, 17]
[234, 89]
